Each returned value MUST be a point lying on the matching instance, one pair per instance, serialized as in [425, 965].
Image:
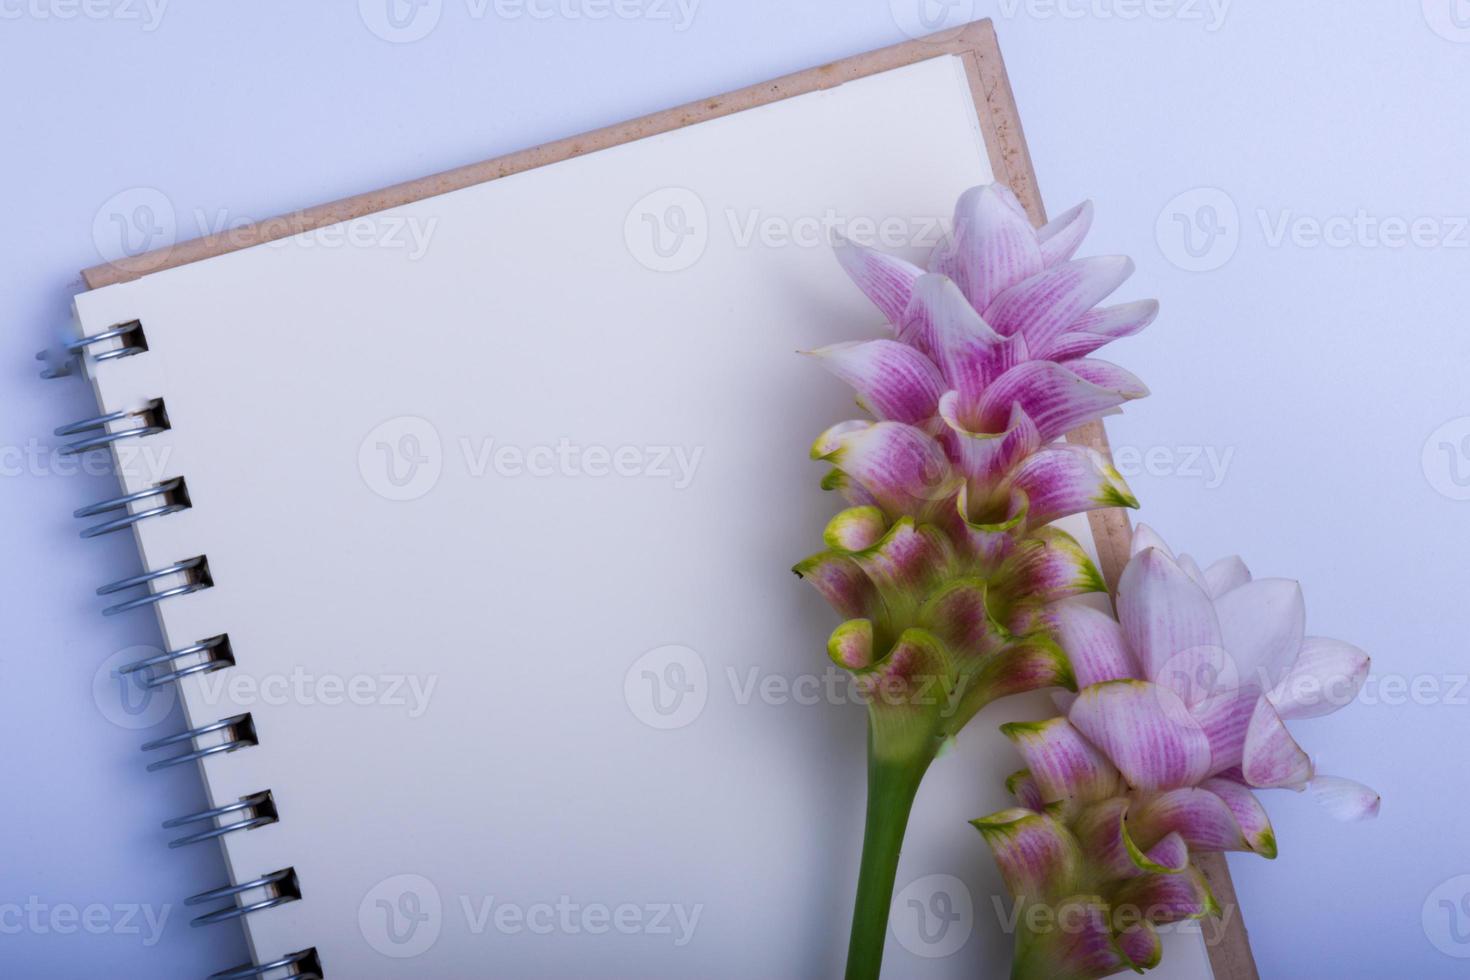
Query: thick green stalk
[893, 782]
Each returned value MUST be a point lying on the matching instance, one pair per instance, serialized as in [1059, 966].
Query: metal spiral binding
[174, 494]
[151, 421]
[239, 731]
[304, 963]
[130, 334]
[281, 888]
[195, 572]
[256, 810]
[213, 653]
[217, 647]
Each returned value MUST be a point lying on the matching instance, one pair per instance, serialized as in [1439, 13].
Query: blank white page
[500, 494]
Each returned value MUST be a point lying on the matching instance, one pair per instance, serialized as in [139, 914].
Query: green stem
[892, 786]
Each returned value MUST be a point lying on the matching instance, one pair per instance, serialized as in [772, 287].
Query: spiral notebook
[471, 553]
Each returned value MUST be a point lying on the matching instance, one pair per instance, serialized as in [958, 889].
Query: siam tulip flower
[1181, 716]
[943, 566]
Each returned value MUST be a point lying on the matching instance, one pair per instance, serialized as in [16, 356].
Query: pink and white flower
[944, 562]
[1179, 718]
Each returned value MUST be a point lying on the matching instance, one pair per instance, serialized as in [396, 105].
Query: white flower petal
[1262, 625]
[1345, 799]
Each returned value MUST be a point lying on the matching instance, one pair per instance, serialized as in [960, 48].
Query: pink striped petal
[1271, 756]
[1108, 376]
[907, 561]
[1225, 719]
[1094, 644]
[1249, 815]
[900, 690]
[893, 380]
[1052, 396]
[1165, 898]
[885, 279]
[1327, 675]
[1071, 345]
[1200, 817]
[1049, 565]
[982, 456]
[1262, 624]
[993, 246]
[1024, 789]
[1224, 575]
[1141, 946]
[1062, 480]
[940, 322]
[840, 581]
[1146, 731]
[1062, 236]
[832, 438]
[1045, 306]
[1102, 833]
[1031, 663]
[855, 529]
[1037, 856]
[1345, 799]
[1064, 765]
[851, 644]
[1123, 320]
[855, 495]
[1098, 328]
[957, 614]
[1168, 856]
[1078, 944]
[1164, 614]
[904, 468]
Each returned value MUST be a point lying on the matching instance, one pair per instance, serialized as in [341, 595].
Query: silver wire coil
[218, 661]
[237, 740]
[150, 418]
[174, 495]
[196, 571]
[282, 883]
[298, 959]
[238, 731]
[257, 810]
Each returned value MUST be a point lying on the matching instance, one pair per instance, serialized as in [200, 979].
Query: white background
[1326, 371]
